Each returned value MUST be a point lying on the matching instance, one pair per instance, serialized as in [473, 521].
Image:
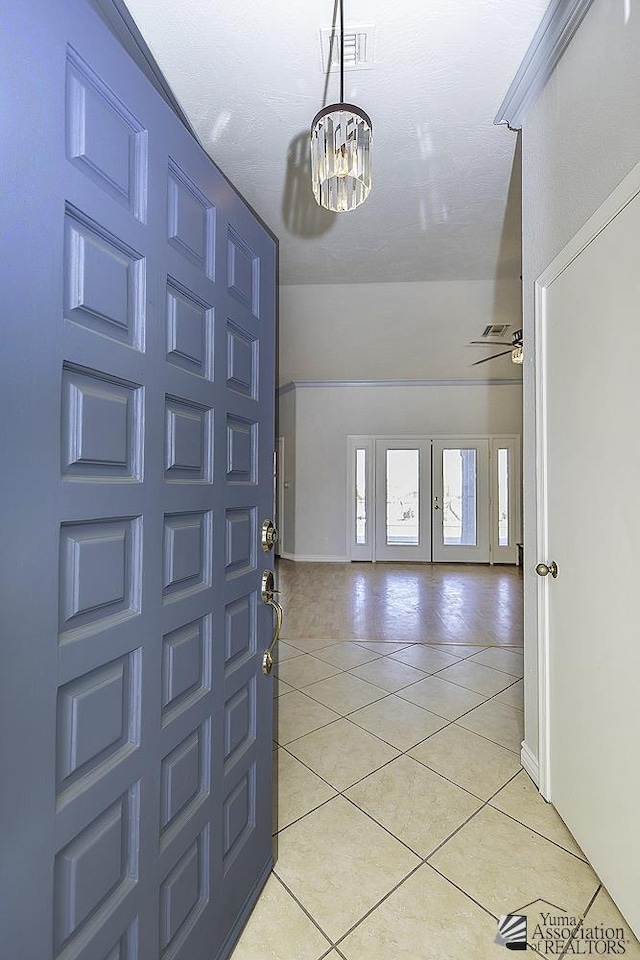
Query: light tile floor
[404, 825]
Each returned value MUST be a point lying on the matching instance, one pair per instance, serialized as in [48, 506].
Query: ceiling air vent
[495, 330]
[358, 48]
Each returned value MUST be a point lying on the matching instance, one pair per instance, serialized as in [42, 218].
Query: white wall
[393, 331]
[326, 415]
[580, 138]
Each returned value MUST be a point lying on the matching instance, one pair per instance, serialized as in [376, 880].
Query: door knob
[269, 536]
[543, 570]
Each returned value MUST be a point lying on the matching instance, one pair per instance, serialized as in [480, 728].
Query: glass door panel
[459, 504]
[360, 498]
[461, 500]
[505, 499]
[503, 496]
[402, 500]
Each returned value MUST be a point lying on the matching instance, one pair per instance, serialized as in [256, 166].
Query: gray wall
[326, 415]
[393, 331]
[286, 428]
[580, 138]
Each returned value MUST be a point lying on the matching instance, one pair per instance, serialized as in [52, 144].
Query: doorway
[588, 529]
[433, 499]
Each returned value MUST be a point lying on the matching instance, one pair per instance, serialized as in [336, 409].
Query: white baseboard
[530, 763]
[302, 558]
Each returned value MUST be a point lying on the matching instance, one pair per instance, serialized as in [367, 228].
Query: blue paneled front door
[137, 362]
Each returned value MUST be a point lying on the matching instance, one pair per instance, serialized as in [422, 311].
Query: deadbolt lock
[269, 536]
[268, 589]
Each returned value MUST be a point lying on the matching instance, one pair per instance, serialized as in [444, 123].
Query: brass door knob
[543, 570]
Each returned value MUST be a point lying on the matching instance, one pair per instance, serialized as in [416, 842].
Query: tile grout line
[425, 861]
[345, 716]
[305, 911]
[342, 793]
[405, 752]
[378, 903]
[584, 914]
[460, 890]
[388, 693]
[532, 829]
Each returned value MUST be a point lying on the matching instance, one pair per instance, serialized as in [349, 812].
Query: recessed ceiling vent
[358, 48]
[495, 330]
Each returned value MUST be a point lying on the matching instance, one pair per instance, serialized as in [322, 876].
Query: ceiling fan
[514, 345]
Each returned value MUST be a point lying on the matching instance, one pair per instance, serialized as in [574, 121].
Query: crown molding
[332, 384]
[551, 39]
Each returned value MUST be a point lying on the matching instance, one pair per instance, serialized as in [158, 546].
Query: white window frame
[356, 551]
[508, 554]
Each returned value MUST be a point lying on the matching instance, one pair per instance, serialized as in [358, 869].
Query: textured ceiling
[445, 202]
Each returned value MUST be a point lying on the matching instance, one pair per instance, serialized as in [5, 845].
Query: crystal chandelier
[341, 136]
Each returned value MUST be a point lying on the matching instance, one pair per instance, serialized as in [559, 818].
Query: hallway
[404, 825]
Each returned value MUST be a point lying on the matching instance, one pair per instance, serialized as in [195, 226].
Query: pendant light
[341, 136]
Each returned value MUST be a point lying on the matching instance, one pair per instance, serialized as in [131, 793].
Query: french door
[460, 501]
[137, 438]
[433, 499]
[403, 494]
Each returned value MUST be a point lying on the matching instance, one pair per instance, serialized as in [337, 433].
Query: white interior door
[460, 501]
[588, 341]
[403, 493]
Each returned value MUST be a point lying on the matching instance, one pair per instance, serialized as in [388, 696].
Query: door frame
[278, 496]
[618, 199]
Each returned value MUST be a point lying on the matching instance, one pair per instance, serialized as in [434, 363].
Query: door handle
[543, 570]
[268, 591]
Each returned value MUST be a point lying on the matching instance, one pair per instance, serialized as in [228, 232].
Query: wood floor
[416, 602]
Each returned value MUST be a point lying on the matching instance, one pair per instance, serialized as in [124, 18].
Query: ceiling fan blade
[494, 357]
[494, 343]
